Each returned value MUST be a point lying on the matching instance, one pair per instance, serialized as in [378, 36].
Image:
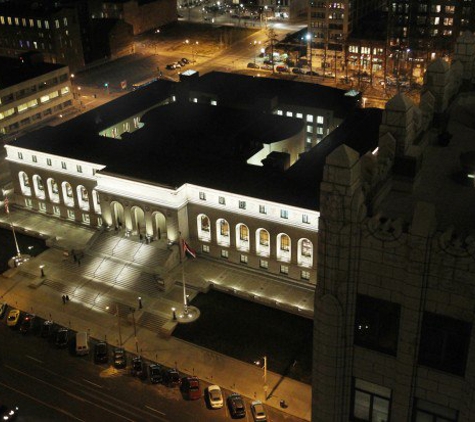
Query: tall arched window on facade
[38, 187]
[305, 253]
[82, 197]
[223, 236]
[262, 242]
[97, 201]
[53, 190]
[25, 184]
[204, 229]
[68, 194]
[242, 237]
[283, 247]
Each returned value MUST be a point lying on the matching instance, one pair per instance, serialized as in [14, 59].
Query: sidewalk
[24, 288]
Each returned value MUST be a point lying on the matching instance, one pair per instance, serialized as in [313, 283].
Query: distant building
[230, 174]
[394, 336]
[142, 15]
[31, 92]
[63, 32]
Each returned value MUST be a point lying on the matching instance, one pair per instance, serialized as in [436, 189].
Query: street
[47, 383]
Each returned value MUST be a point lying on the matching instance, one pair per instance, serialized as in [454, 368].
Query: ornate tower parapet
[342, 210]
[437, 82]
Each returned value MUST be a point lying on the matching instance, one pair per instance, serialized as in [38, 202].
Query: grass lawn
[247, 331]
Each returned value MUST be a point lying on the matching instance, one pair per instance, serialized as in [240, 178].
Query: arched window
[38, 186]
[283, 247]
[25, 184]
[68, 194]
[222, 235]
[97, 202]
[204, 230]
[262, 242]
[53, 190]
[242, 237]
[305, 253]
[82, 197]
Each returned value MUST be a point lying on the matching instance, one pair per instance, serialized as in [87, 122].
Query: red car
[191, 388]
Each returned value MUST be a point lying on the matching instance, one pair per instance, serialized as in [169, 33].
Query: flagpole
[182, 254]
[7, 209]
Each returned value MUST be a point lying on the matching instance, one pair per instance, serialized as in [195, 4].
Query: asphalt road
[50, 384]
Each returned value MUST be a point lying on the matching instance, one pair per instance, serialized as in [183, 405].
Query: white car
[258, 411]
[215, 397]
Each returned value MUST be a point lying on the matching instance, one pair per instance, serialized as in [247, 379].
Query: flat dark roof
[201, 144]
[243, 89]
[13, 71]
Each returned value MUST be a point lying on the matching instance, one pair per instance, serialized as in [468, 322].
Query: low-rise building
[31, 92]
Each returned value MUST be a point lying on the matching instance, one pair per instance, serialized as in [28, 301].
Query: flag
[188, 250]
[7, 210]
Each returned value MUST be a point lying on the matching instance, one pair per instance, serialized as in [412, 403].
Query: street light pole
[265, 378]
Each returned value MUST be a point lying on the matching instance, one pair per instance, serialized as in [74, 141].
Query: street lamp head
[308, 36]
[173, 309]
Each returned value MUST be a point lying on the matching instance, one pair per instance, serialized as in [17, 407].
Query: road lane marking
[155, 410]
[42, 402]
[92, 383]
[32, 358]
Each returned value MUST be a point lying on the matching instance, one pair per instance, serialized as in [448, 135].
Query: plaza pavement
[23, 287]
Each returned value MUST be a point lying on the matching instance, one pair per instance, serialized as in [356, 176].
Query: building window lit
[284, 269]
[299, 115]
[224, 254]
[425, 411]
[243, 259]
[371, 402]
[305, 219]
[56, 210]
[203, 196]
[263, 264]
[309, 129]
[214, 103]
[305, 275]
[71, 214]
[205, 248]
[309, 118]
[289, 114]
[280, 113]
[319, 120]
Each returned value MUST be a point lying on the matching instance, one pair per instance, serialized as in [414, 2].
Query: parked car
[3, 309]
[120, 359]
[312, 73]
[252, 65]
[8, 413]
[191, 388]
[170, 66]
[282, 69]
[137, 367]
[62, 337]
[185, 60]
[266, 67]
[182, 63]
[27, 323]
[215, 396]
[171, 378]
[237, 409]
[13, 317]
[155, 373]
[101, 352]
[47, 329]
[297, 71]
[258, 411]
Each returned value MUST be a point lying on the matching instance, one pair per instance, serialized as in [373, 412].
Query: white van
[82, 344]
